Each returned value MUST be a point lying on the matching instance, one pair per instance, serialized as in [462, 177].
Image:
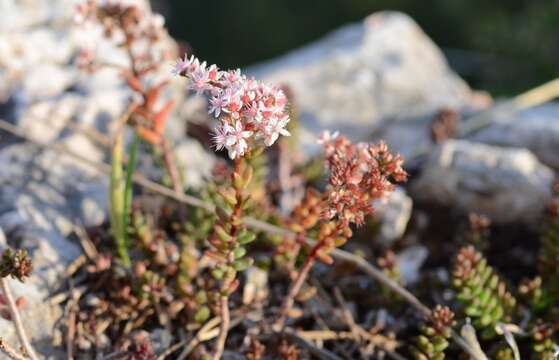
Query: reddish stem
[171, 166]
[224, 300]
[294, 290]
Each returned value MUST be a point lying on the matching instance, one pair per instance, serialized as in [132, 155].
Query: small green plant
[484, 296]
[545, 346]
[252, 116]
[435, 333]
[121, 198]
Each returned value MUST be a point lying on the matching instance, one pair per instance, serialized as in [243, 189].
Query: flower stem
[128, 190]
[117, 201]
[171, 166]
[117, 191]
[235, 219]
[295, 287]
[16, 319]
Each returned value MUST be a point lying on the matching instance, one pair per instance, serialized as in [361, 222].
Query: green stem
[128, 189]
[117, 200]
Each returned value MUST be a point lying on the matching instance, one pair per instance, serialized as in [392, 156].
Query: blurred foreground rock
[505, 184]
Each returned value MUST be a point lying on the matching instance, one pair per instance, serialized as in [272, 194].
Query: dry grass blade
[10, 352]
[536, 96]
[387, 345]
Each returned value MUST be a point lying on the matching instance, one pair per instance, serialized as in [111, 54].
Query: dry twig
[16, 319]
[10, 352]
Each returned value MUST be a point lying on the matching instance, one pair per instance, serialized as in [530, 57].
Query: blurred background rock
[504, 46]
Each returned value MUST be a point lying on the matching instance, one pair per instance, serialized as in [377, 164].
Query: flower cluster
[359, 174]
[143, 37]
[128, 26]
[248, 110]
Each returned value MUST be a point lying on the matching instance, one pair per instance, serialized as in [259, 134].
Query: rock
[194, 161]
[19, 14]
[394, 215]
[39, 319]
[43, 193]
[506, 184]
[44, 121]
[361, 74]
[256, 287]
[407, 137]
[82, 145]
[94, 203]
[46, 80]
[410, 261]
[161, 339]
[536, 129]
[38, 193]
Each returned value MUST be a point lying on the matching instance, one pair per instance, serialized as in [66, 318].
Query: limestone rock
[505, 184]
[536, 129]
[394, 215]
[361, 74]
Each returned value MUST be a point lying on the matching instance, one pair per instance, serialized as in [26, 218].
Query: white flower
[199, 79]
[235, 139]
[181, 66]
[275, 127]
[218, 104]
[219, 138]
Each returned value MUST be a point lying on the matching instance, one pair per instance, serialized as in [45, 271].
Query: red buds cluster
[15, 264]
[359, 174]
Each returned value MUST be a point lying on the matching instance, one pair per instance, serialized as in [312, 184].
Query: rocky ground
[381, 78]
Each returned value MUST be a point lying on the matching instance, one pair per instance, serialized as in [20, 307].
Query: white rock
[506, 184]
[536, 129]
[353, 78]
[394, 215]
[94, 203]
[256, 287]
[3, 241]
[194, 161]
[410, 261]
[407, 137]
[17, 14]
[44, 121]
[82, 145]
[46, 80]
[101, 108]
